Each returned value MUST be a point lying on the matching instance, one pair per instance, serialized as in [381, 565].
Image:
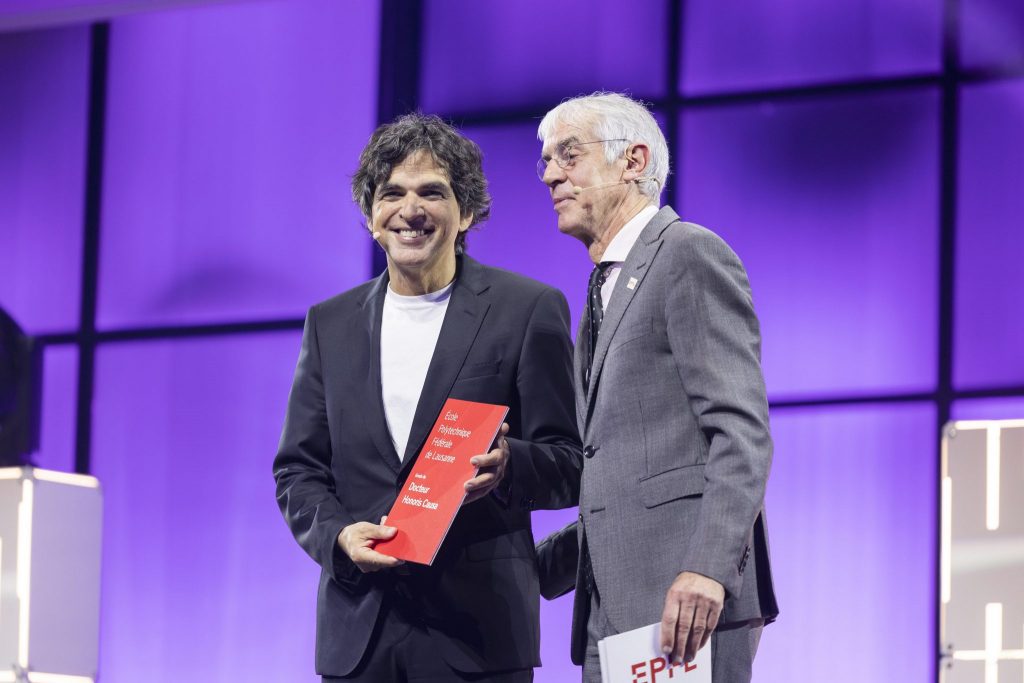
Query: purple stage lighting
[232, 133]
[43, 88]
[737, 44]
[989, 316]
[833, 207]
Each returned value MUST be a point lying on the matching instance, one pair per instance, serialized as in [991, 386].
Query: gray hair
[615, 117]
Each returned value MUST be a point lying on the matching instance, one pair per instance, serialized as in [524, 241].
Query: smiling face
[418, 218]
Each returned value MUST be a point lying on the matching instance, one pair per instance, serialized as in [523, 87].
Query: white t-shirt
[409, 331]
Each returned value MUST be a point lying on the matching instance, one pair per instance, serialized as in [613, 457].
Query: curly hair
[459, 157]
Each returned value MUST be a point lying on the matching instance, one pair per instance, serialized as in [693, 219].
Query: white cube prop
[50, 526]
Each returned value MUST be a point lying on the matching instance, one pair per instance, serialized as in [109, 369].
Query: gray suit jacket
[675, 427]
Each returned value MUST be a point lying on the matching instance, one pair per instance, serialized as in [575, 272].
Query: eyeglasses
[565, 155]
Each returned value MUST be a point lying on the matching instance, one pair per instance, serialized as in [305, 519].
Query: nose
[412, 208]
[552, 173]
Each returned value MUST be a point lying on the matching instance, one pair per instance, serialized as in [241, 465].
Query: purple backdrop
[57, 431]
[232, 132]
[989, 409]
[42, 174]
[730, 44]
[989, 278]
[851, 513]
[547, 51]
[201, 579]
[992, 33]
[833, 207]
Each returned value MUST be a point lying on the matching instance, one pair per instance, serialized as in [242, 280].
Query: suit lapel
[634, 269]
[465, 314]
[373, 307]
[578, 369]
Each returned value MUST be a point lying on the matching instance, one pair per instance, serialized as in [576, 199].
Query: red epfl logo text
[647, 672]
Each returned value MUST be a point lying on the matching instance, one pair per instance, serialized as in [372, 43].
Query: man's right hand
[357, 541]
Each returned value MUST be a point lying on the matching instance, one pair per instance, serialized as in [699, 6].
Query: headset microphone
[577, 190]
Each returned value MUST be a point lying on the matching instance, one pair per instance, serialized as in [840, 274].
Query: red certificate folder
[434, 491]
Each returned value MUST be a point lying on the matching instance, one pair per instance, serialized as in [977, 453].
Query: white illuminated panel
[50, 525]
[982, 553]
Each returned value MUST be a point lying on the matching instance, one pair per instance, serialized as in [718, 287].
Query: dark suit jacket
[675, 426]
[504, 340]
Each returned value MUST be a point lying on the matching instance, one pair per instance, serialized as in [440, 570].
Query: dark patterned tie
[595, 310]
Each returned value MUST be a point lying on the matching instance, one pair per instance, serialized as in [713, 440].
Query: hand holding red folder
[444, 474]
[492, 466]
[357, 541]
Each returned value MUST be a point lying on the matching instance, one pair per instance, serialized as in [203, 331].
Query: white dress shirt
[619, 249]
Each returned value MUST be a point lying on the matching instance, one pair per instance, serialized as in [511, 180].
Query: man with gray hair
[670, 403]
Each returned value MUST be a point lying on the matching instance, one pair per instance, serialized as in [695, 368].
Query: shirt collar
[624, 240]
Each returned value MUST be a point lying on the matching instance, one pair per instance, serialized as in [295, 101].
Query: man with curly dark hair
[376, 365]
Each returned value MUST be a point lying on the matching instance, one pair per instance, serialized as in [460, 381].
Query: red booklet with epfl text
[434, 491]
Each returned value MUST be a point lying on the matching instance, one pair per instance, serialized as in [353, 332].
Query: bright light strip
[24, 569]
[992, 458]
[992, 654]
[35, 677]
[40, 677]
[83, 480]
[982, 655]
[993, 640]
[10, 473]
[945, 552]
[965, 425]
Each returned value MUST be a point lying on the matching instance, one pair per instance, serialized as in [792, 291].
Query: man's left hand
[492, 468]
[692, 607]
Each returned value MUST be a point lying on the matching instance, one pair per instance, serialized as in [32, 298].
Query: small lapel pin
[631, 284]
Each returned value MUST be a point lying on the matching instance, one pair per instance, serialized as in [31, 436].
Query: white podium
[982, 552]
[50, 526]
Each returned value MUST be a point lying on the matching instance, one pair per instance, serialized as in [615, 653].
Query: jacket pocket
[672, 485]
[627, 333]
[484, 369]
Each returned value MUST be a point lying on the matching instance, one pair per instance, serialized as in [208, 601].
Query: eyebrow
[434, 186]
[562, 144]
[387, 187]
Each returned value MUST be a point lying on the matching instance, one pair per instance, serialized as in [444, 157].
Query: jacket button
[589, 451]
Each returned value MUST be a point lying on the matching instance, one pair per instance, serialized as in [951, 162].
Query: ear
[465, 222]
[638, 157]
